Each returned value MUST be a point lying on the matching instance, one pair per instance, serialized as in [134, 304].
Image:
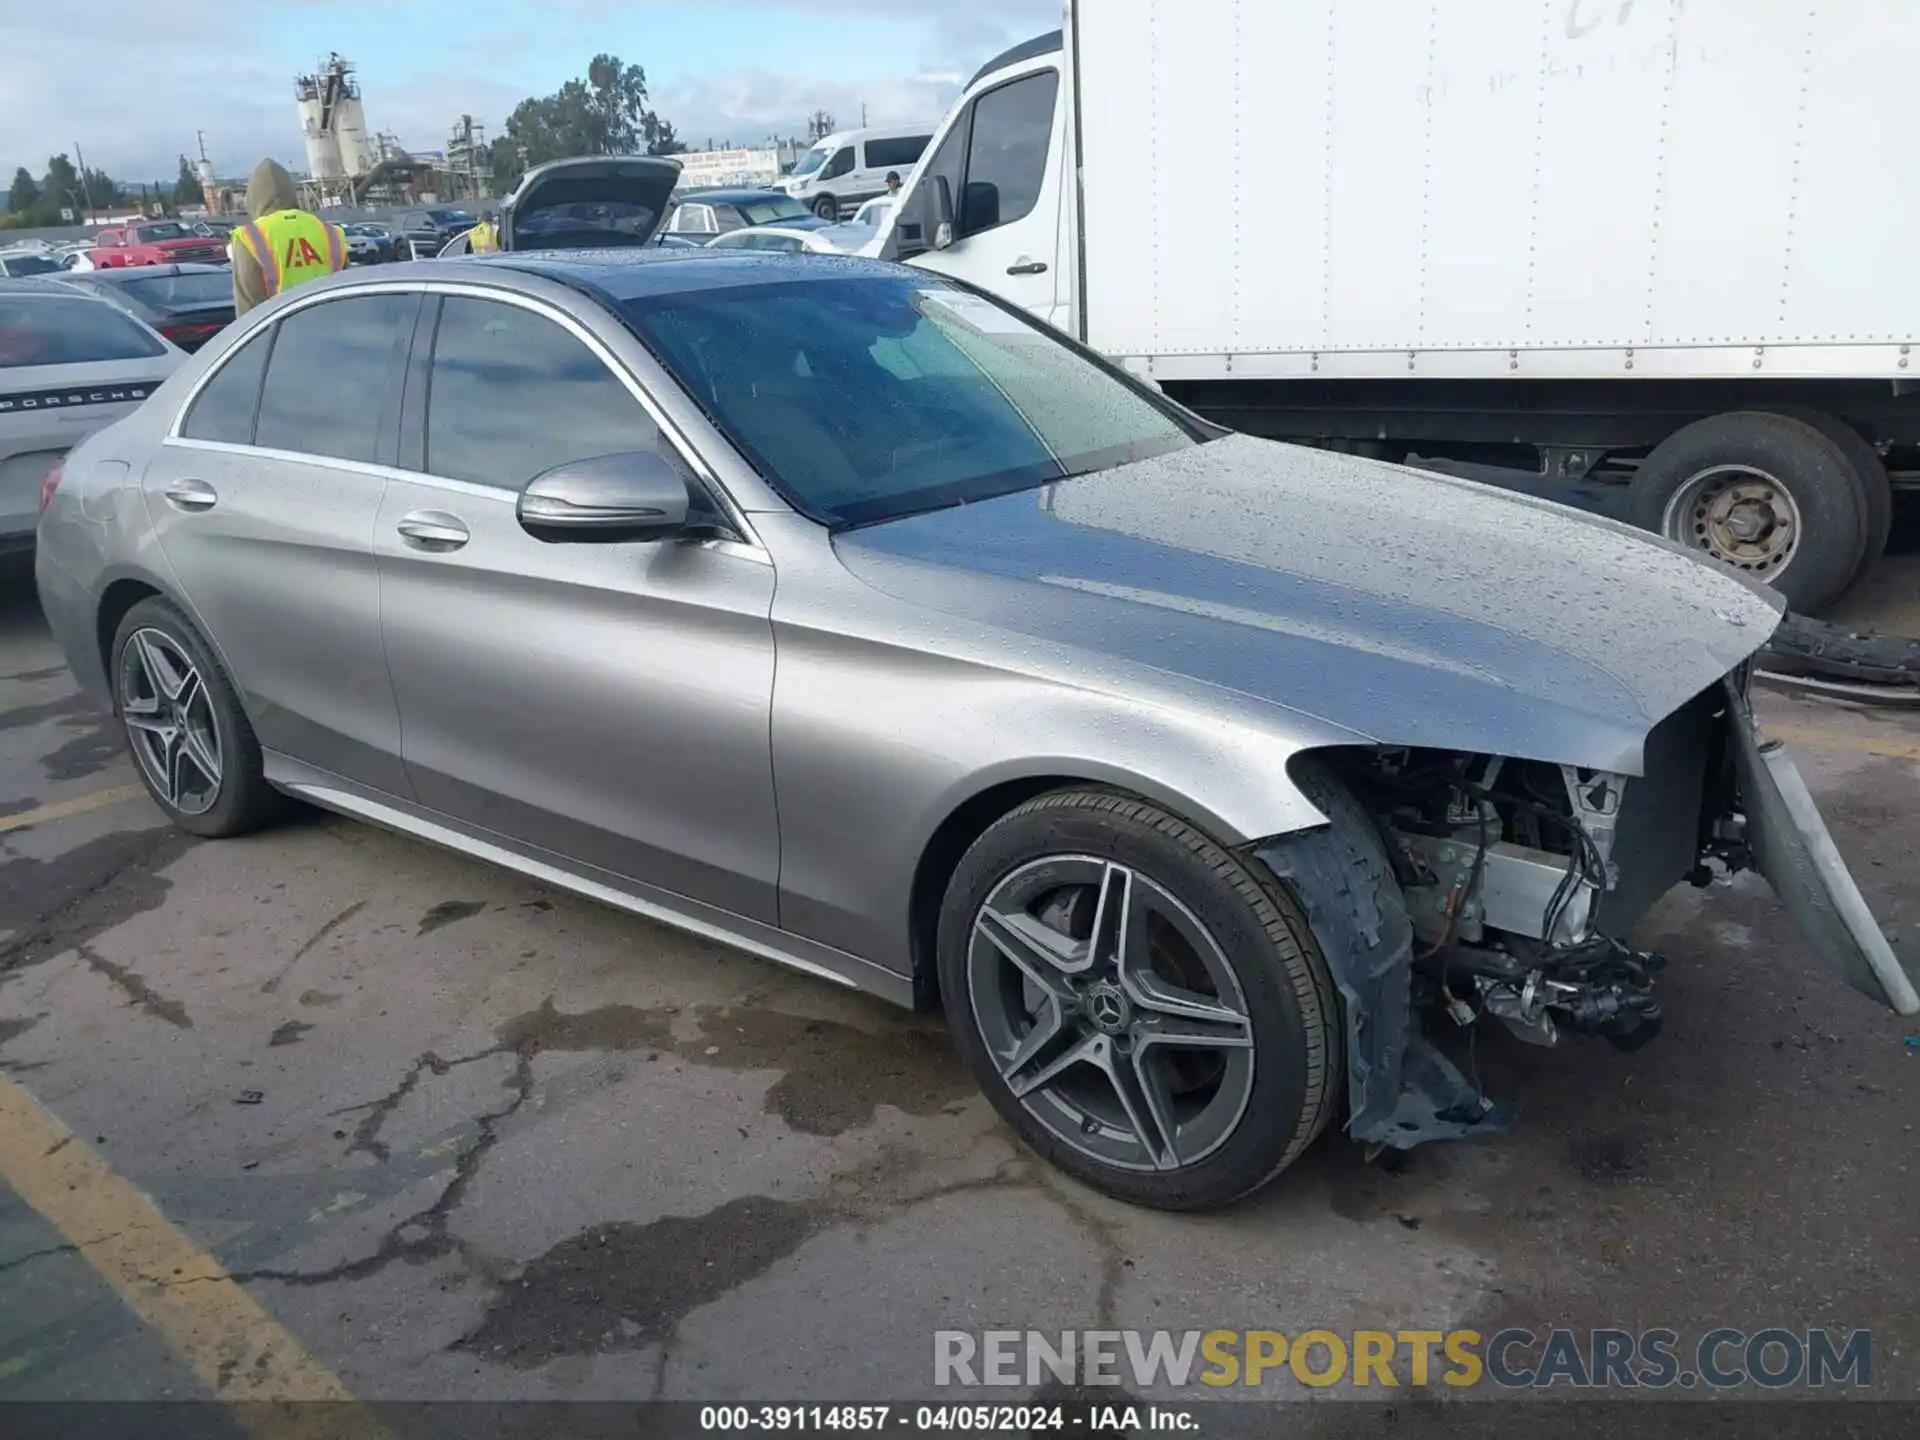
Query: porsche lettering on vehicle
[68, 399]
[1208, 784]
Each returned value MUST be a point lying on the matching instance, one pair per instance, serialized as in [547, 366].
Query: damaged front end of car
[1456, 888]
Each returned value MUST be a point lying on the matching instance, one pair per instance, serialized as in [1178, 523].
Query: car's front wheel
[191, 742]
[1146, 1010]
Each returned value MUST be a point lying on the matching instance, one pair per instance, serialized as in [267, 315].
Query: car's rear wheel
[191, 742]
[1145, 1010]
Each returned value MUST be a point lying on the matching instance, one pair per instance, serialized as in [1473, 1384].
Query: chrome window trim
[689, 455]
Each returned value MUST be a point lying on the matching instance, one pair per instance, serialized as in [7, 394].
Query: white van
[851, 166]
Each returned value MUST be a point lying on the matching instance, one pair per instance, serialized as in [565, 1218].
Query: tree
[660, 137]
[100, 188]
[604, 113]
[62, 185]
[24, 194]
[186, 190]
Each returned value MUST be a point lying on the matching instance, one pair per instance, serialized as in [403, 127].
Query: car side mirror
[635, 495]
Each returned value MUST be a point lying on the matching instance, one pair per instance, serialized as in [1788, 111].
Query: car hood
[1405, 607]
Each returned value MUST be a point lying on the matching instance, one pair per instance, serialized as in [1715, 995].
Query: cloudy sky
[131, 96]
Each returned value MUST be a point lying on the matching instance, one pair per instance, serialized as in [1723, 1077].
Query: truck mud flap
[1792, 849]
[1846, 662]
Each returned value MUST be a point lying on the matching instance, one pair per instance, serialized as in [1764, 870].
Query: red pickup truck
[154, 242]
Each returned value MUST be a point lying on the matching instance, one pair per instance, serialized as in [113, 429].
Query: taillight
[50, 484]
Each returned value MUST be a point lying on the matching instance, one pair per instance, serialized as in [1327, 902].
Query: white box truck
[1656, 257]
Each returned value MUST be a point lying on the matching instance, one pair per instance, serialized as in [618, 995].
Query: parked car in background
[1191, 772]
[848, 168]
[370, 244]
[875, 211]
[155, 242]
[74, 255]
[807, 235]
[700, 215]
[20, 261]
[427, 231]
[70, 363]
[189, 304]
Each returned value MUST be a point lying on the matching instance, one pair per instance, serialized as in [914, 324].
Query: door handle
[433, 530]
[192, 495]
[1024, 266]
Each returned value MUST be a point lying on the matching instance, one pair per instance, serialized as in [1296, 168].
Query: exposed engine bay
[1465, 887]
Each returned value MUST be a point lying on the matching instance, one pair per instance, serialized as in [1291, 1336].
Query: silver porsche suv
[840, 613]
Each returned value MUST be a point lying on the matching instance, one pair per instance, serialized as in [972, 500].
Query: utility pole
[86, 190]
[863, 114]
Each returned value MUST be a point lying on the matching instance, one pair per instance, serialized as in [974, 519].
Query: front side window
[841, 164]
[57, 330]
[333, 369]
[225, 407]
[1007, 154]
[861, 399]
[512, 394]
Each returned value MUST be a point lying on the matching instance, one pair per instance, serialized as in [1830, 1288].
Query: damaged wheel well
[952, 839]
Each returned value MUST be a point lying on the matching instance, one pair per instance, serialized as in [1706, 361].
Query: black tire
[827, 208]
[244, 800]
[1876, 489]
[1290, 1009]
[1815, 471]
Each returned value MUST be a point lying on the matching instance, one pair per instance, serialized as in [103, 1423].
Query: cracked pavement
[469, 1137]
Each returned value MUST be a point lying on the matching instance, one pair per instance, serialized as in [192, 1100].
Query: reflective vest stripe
[255, 240]
[336, 256]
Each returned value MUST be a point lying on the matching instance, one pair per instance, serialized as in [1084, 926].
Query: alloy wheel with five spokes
[1111, 1012]
[170, 722]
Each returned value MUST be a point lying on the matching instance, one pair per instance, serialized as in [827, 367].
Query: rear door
[264, 500]
[610, 703]
[69, 365]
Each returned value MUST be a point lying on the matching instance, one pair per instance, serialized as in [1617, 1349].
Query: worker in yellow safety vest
[484, 238]
[281, 245]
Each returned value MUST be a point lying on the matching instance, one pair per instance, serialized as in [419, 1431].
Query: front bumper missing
[1792, 849]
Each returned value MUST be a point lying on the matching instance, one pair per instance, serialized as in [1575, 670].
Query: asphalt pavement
[431, 1130]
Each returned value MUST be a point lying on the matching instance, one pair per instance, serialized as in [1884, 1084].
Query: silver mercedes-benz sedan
[839, 613]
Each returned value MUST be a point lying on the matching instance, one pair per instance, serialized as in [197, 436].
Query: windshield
[813, 160]
[172, 230]
[767, 212]
[50, 330]
[28, 265]
[191, 291]
[862, 399]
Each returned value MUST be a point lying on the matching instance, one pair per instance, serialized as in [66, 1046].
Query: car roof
[732, 195]
[645, 271]
[147, 272]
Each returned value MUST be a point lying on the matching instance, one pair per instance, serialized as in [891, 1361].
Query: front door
[264, 506]
[608, 703]
[997, 160]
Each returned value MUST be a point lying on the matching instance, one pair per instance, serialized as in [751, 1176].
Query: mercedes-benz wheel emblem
[1107, 1008]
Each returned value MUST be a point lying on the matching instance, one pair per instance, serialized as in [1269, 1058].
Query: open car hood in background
[591, 202]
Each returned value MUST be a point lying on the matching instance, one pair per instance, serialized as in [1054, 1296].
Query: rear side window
[495, 365]
[1007, 156]
[57, 330]
[224, 408]
[896, 153]
[334, 368]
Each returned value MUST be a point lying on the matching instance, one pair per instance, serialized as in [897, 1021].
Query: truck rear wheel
[1872, 470]
[1770, 495]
